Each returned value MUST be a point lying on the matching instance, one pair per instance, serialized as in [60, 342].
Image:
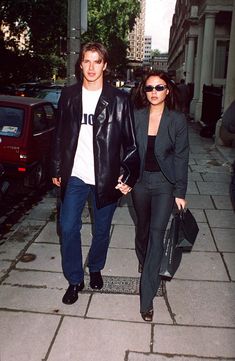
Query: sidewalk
[194, 318]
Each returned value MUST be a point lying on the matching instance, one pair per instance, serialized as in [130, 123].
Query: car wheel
[37, 177]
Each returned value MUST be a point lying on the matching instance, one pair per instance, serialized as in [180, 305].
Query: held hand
[181, 203]
[56, 181]
[124, 188]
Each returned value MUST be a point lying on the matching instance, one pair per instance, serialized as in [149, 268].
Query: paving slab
[134, 356]
[43, 210]
[199, 201]
[207, 266]
[121, 262]
[229, 259]
[4, 267]
[199, 215]
[192, 188]
[49, 234]
[224, 238]
[123, 215]
[125, 308]
[98, 340]
[206, 168]
[213, 188]
[48, 257]
[217, 177]
[36, 279]
[204, 240]
[42, 300]
[123, 236]
[10, 250]
[221, 218]
[222, 202]
[202, 303]
[194, 176]
[26, 336]
[194, 341]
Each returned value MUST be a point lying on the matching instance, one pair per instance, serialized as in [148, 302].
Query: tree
[40, 28]
[109, 22]
[155, 52]
[41, 23]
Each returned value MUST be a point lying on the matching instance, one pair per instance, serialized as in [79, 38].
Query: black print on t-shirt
[87, 119]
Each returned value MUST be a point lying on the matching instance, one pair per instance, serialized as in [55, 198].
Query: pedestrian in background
[184, 98]
[162, 140]
[94, 127]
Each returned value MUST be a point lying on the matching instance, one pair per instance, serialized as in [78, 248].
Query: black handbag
[188, 230]
[172, 254]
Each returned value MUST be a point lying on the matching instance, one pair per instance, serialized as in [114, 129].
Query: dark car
[51, 94]
[30, 89]
[26, 129]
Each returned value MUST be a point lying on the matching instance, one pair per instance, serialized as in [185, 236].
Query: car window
[50, 115]
[11, 121]
[39, 120]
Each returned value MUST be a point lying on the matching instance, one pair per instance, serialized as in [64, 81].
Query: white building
[202, 49]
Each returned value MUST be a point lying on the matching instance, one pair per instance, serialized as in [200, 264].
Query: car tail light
[21, 169]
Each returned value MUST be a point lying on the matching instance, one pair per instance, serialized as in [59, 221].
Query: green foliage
[42, 24]
[155, 52]
[109, 22]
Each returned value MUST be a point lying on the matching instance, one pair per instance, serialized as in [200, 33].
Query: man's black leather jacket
[115, 150]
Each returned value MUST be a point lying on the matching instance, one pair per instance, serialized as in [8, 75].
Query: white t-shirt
[83, 166]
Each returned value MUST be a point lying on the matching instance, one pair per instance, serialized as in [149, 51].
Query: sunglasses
[159, 88]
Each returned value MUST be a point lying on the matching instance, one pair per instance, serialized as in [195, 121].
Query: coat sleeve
[181, 156]
[130, 160]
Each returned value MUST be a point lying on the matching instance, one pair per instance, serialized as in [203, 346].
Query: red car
[26, 129]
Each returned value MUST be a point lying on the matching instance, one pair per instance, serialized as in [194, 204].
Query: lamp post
[73, 38]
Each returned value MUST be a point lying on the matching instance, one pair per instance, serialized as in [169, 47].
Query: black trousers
[153, 202]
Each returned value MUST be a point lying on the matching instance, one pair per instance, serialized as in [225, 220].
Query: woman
[162, 139]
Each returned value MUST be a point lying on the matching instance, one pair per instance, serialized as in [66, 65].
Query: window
[50, 115]
[221, 59]
[11, 121]
[39, 120]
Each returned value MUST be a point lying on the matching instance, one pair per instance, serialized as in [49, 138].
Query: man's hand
[56, 181]
[124, 188]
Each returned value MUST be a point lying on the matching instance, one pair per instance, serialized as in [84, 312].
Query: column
[207, 58]
[230, 81]
[197, 70]
[190, 60]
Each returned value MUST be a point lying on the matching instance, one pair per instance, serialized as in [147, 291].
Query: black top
[151, 163]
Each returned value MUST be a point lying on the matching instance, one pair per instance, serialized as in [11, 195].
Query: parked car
[26, 129]
[30, 89]
[51, 94]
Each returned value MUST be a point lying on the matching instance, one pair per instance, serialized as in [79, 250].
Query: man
[95, 126]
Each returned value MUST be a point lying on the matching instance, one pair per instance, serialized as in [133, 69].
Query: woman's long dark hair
[141, 100]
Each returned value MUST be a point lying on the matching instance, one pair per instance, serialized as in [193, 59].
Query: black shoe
[96, 280]
[147, 316]
[71, 295]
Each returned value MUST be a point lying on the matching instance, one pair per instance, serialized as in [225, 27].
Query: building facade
[136, 37]
[202, 48]
[147, 49]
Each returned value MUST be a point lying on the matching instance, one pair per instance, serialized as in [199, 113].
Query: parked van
[27, 126]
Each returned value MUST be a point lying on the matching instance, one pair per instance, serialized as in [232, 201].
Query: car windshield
[51, 96]
[11, 121]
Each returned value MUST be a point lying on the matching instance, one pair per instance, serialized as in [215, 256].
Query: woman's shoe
[147, 316]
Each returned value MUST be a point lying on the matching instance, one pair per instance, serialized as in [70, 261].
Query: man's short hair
[91, 46]
[94, 46]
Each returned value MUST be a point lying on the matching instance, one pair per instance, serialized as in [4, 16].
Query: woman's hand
[124, 188]
[181, 203]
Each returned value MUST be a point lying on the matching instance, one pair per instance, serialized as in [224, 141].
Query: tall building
[136, 37]
[147, 49]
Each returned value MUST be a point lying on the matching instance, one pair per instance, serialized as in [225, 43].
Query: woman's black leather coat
[115, 150]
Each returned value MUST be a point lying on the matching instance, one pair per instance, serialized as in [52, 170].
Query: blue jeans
[76, 195]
